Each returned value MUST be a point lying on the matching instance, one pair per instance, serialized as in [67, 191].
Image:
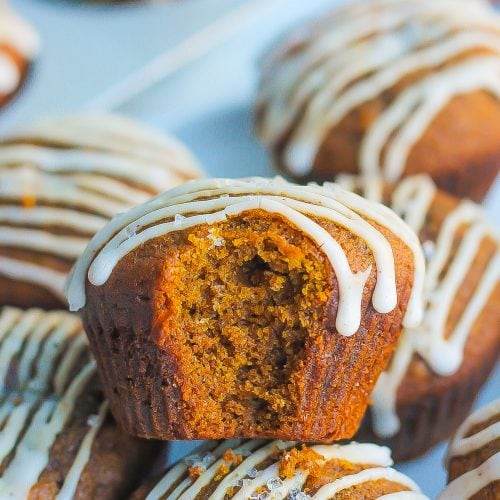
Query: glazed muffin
[474, 457]
[61, 180]
[388, 87]
[439, 366]
[19, 45]
[57, 438]
[247, 308]
[258, 469]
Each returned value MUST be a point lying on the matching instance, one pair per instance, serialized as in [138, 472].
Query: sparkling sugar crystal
[208, 459]
[192, 460]
[252, 473]
[298, 494]
[131, 230]
[92, 420]
[178, 219]
[275, 483]
[428, 247]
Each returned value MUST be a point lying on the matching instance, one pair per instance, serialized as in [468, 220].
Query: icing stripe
[474, 480]
[461, 445]
[174, 474]
[374, 474]
[212, 201]
[47, 349]
[360, 52]
[447, 268]
[249, 476]
[62, 179]
[26, 272]
[70, 484]
[470, 483]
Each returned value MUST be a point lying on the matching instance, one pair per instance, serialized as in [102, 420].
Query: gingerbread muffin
[439, 366]
[388, 87]
[19, 45]
[263, 470]
[57, 438]
[474, 457]
[247, 308]
[61, 180]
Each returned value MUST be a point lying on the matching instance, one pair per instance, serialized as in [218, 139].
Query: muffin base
[434, 417]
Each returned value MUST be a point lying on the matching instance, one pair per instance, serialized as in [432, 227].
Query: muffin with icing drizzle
[247, 308]
[474, 457]
[19, 45]
[261, 470]
[61, 180]
[57, 438]
[440, 365]
[388, 87]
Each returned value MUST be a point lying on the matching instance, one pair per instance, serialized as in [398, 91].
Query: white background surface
[207, 104]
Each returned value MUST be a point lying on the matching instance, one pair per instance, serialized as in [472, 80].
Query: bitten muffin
[19, 45]
[57, 438]
[439, 366]
[474, 457]
[61, 180]
[388, 87]
[261, 470]
[247, 308]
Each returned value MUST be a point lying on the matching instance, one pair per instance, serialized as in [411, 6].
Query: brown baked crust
[431, 407]
[39, 250]
[19, 294]
[159, 389]
[116, 462]
[459, 465]
[459, 149]
[320, 470]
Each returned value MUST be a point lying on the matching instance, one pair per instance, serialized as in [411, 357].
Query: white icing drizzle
[212, 201]
[180, 469]
[446, 270]
[337, 68]
[26, 272]
[474, 480]
[461, 445]
[471, 482]
[46, 347]
[17, 34]
[247, 477]
[79, 171]
[70, 484]
[404, 495]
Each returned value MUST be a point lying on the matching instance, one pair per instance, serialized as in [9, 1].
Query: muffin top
[262, 470]
[17, 39]
[452, 233]
[391, 65]
[46, 371]
[63, 178]
[474, 455]
[213, 200]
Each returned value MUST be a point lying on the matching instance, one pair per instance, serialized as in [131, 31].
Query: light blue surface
[88, 48]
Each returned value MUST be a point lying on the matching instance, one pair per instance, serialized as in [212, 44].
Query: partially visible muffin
[61, 180]
[19, 45]
[261, 470]
[57, 438]
[438, 367]
[394, 87]
[247, 308]
[474, 457]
